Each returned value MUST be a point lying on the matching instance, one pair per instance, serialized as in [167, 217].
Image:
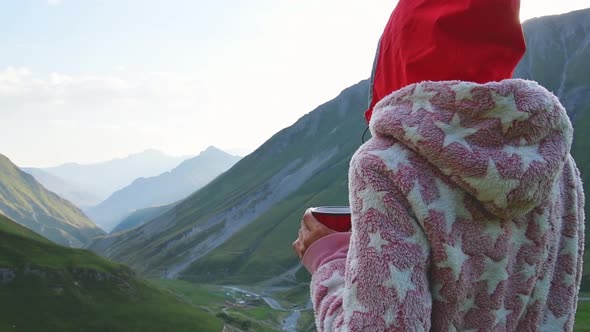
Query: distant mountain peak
[212, 150]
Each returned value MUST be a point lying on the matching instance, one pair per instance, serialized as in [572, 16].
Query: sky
[92, 80]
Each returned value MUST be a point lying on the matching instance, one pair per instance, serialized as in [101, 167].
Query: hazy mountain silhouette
[163, 189]
[104, 178]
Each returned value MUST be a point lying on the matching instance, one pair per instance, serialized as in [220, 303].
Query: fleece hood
[504, 143]
[469, 40]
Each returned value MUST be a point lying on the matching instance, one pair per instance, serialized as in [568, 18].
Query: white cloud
[54, 2]
[19, 87]
[94, 117]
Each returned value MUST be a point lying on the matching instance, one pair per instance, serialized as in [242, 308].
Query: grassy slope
[46, 287]
[27, 202]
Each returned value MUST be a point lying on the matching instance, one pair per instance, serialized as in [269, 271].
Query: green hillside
[27, 202]
[47, 287]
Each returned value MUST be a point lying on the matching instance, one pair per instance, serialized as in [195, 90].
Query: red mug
[334, 217]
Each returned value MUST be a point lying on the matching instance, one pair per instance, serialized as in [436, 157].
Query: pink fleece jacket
[467, 214]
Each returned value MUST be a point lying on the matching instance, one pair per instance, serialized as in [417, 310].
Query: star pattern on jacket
[503, 110]
[334, 282]
[455, 132]
[390, 317]
[417, 202]
[450, 203]
[420, 99]
[400, 280]
[569, 279]
[501, 314]
[468, 305]
[462, 91]
[419, 239]
[542, 221]
[412, 134]
[552, 323]
[351, 303]
[373, 202]
[496, 193]
[534, 190]
[447, 202]
[376, 241]
[455, 258]
[494, 273]
[528, 270]
[569, 246]
[394, 157]
[527, 154]
[541, 289]
[436, 295]
[519, 237]
[493, 230]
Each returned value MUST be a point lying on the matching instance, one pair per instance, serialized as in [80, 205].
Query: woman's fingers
[310, 231]
[309, 221]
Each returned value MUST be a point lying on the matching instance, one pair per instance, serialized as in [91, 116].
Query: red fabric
[468, 40]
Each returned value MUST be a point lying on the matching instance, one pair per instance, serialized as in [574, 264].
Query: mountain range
[163, 189]
[27, 202]
[101, 179]
[238, 228]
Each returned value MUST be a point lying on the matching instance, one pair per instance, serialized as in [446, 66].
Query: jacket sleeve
[382, 284]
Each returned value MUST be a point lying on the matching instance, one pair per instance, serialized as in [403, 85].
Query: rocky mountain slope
[26, 201]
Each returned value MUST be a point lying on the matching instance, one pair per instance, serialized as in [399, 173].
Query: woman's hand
[310, 231]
